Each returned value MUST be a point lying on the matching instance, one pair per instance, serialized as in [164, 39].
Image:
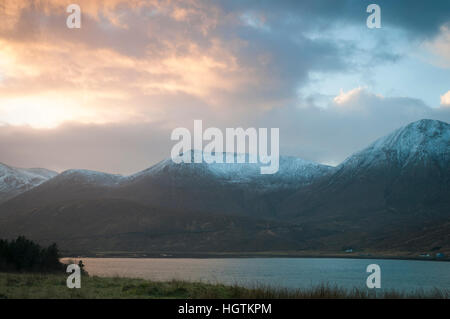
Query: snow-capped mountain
[398, 185]
[392, 195]
[292, 171]
[14, 181]
[425, 142]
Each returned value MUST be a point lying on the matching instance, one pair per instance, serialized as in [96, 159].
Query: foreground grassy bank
[51, 286]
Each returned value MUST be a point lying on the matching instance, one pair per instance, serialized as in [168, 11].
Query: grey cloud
[419, 17]
[122, 149]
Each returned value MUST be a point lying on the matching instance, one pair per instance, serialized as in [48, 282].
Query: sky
[108, 95]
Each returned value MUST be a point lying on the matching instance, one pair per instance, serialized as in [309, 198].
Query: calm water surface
[404, 275]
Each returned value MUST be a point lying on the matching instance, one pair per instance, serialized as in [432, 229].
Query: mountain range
[392, 196]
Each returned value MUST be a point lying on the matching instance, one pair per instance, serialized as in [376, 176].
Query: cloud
[419, 18]
[110, 148]
[127, 55]
[445, 99]
[440, 47]
[224, 52]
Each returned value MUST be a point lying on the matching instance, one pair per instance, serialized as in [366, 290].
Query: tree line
[24, 255]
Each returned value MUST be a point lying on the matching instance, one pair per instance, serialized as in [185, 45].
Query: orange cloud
[109, 70]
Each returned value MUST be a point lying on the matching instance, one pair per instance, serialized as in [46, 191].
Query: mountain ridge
[392, 194]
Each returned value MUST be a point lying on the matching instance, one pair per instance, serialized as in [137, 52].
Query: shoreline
[237, 255]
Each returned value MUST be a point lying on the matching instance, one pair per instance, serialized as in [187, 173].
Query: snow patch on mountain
[292, 170]
[14, 181]
[422, 142]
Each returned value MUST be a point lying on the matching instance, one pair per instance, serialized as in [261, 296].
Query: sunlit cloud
[90, 78]
[440, 47]
[445, 99]
[345, 97]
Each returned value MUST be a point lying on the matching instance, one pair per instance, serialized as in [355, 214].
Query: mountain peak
[14, 181]
[426, 127]
[424, 135]
[418, 142]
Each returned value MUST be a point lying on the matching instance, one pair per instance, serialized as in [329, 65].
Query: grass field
[49, 286]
